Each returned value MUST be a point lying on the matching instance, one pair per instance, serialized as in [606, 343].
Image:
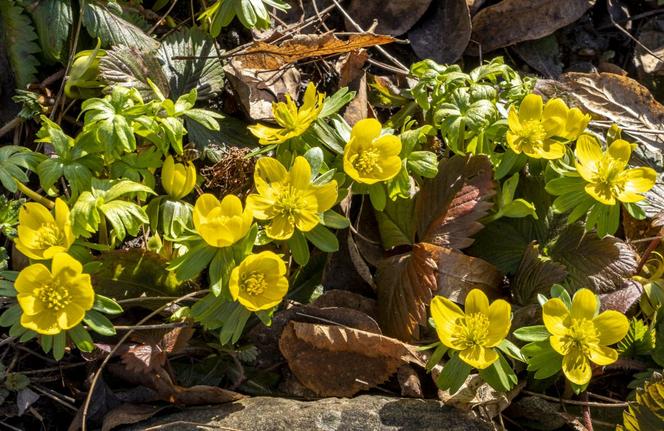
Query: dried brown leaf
[513, 21]
[449, 206]
[543, 55]
[394, 17]
[346, 299]
[624, 299]
[350, 66]
[337, 361]
[444, 34]
[458, 274]
[153, 347]
[409, 381]
[127, 414]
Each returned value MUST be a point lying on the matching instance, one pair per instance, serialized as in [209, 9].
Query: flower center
[532, 130]
[253, 283]
[581, 334]
[289, 203]
[49, 235]
[367, 161]
[53, 296]
[472, 330]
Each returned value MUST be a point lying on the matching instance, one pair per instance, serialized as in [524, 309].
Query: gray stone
[365, 413]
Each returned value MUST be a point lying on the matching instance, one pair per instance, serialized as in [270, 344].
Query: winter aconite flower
[178, 179]
[221, 224]
[369, 157]
[40, 235]
[609, 180]
[581, 335]
[476, 332]
[540, 130]
[259, 282]
[56, 300]
[293, 121]
[288, 198]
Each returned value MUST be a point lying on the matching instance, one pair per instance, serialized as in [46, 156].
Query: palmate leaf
[13, 161]
[19, 39]
[107, 23]
[647, 413]
[53, 20]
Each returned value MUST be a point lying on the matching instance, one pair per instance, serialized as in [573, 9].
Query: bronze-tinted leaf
[513, 21]
[459, 273]
[338, 361]
[543, 55]
[443, 34]
[449, 206]
[394, 17]
[535, 274]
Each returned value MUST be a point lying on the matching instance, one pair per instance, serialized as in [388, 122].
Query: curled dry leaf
[394, 17]
[476, 393]
[338, 361]
[444, 34]
[152, 347]
[513, 21]
[129, 413]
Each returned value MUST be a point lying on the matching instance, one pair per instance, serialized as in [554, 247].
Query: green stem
[103, 230]
[34, 195]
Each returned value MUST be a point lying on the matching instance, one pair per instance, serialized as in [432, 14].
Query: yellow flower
[293, 121]
[289, 199]
[221, 224]
[533, 128]
[178, 179]
[54, 301]
[606, 172]
[259, 282]
[581, 336]
[40, 235]
[83, 81]
[476, 332]
[370, 158]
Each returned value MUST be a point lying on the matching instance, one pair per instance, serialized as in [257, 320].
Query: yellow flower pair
[178, 179]
[40, 235]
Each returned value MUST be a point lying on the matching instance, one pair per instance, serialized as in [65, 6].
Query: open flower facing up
[56, 300]
[288, 198]
[370, 158]
[533, 129]
[476, 332]
[581, 335]
[40, 235]
[178, 179]
[259, 282]
[221, 224]
[609, 180]
[293, 121]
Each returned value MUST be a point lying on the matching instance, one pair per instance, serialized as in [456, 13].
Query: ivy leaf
[449, 206]
[53, 20]
[108, 25]
[536, 274]
[19, 38]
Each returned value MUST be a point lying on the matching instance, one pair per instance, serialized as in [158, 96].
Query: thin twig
[95, 378]
[151, 327]
[57, 398]
[629, 35]
[11, 125]
[578, 403]
[197, 424]
[163, 17]
[587, 418]
[52, 369]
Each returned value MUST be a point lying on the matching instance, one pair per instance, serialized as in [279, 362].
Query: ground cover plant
[204, 201]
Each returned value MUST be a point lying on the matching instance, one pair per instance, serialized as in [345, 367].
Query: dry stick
[578, 403]
[54, 397]
[163, 17]
[379, 48]
[95, 378]
[587, 419]
[629, 35]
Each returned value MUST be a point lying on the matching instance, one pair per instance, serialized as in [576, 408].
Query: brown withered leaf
[543, 55]
[153, 346]
[449, 206]
[405, 283]
[535, 274]
[409, 381]
[513, 21]
[394, 17]
[129, 413]
[458, 274]
[346, 299]
[338, 361]
[444, 34]
[623, 299]
[266, 56]
[349, 67]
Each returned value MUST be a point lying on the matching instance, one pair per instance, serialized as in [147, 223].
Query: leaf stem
[34, 195]
[103, 230]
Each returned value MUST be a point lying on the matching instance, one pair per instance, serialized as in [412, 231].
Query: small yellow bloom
[607, 175]
[533, 128]
[40, 235]
[178, 179]
[476, 332]
[370, 158]
[54, 301]
[259, 282]
[288, 198]
[582, 336]
[83, 82]
[221, 224]
[293, 121]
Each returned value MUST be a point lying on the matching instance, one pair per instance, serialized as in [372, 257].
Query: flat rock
[365, 413]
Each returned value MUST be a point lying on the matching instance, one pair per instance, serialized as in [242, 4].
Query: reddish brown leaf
[153, 348]
[338, 361]
[449, 206]
[128, 414]
[347, 299]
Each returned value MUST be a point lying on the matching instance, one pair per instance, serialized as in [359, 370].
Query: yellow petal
[203, 206]
[602, 355]
[478, 357]
[365, 131]
[601, 193]
[445, 313]
[390, 168]
[231, 205]
[270, 170]
[577, 367]
[560, 344]
[30, 252]
[350, 170]
[307, 219]
[584, 305]
[515, 142]
[577, 122]
[70, 316]
[326, 195]
[260, 206]
[300, 173]
[234, 283]
[555, 316]
[388, 145]
[34, 215]
[280, 228]
[551, 150]
[612, 327]
[554, 118]
[531, 108]
[620, 151]
[588, 152]
[309, 100]
[81, 289]
[499, 322]
[63, 221]
[42, 323]
[267, 135]
[30, 304]
[31, 277]
[477, 302]
[64, 263]
[635, 180]
[513, 120]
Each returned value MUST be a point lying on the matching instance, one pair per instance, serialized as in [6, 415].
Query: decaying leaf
[449, 206]
[409, 381]
[394, 17]
[346, 299]
[129, 413]
[513, 21]
[543, 55]
[478, 396]
[651, 35]
[338, 361]
[153, 346]
[349, 67]
[265, 56]
[444, 34]
[536, 274]
[623, 299]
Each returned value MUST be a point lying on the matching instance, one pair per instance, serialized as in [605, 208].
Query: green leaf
[453, 375]
[647, 413]
[10, 316]
[189, 265]
[59, 344]
[436, 356]
[220, 269]
[16, 381]
[423, 163]
[299, 248]
[113, 29]
[532, 333]
[334, 220]
[315, 157]
[499, 375]
[335, 102]
[323, 239]
[46, 342]
[519, 208]
[132, 67]
[106, 305]
[542, 359]
[99, 323]
[53, 20]
[396, 223]
[81, 338]
[639, 341]
[18, 37]
[511, 350]
[378, 196]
